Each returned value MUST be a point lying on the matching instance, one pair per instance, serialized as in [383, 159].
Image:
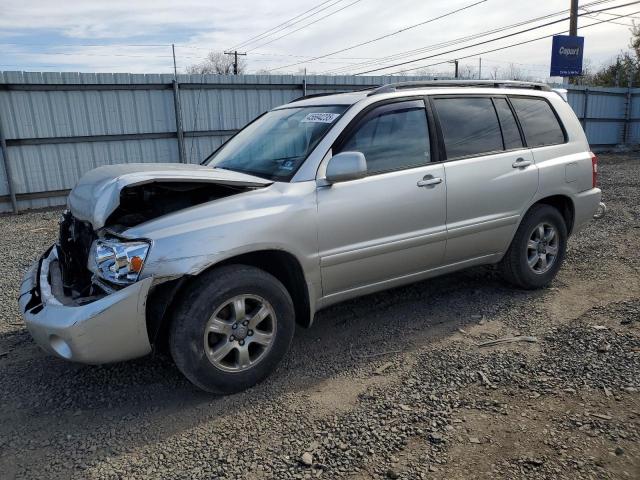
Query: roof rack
[314, 95]
[311, 95]
[393, 87]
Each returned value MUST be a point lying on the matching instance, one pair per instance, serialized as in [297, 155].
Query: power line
[490, 40]
[593, 17]
[333, 62]
[118, 45]
[448, 43]
[607, 13]
[305, 26]
[305, 56]
[285, 24]
[504, 47]
[367, 42]
[459, 40]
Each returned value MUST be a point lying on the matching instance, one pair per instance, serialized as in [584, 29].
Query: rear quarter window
[539, 122]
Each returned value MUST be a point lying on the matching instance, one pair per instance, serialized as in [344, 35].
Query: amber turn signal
[135, 264]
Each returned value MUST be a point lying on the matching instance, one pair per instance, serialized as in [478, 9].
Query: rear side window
[392, 137]
[510, 132]
[469, 126]
[539, 123]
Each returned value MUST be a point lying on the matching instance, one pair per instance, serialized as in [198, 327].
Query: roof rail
[311, 95]
[393, 87]
[314, 95]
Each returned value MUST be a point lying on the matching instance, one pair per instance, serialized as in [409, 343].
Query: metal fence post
[627, 109]
[585, 107]
[179, 131]
[7, 171]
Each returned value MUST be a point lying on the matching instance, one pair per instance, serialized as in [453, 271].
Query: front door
[390, 224]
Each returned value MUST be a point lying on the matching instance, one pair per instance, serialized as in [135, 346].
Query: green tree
[616, 73]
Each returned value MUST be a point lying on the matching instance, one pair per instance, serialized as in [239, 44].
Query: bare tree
[513, 72]
[467, 72]
[494, 72]
[424, 72]
[217, 63]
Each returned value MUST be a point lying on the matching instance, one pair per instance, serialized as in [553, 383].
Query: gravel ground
[393, 385]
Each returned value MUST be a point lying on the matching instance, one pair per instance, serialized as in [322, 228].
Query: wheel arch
[281, 264]
[564, 205]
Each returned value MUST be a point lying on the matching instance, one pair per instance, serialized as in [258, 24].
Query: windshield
[276, 144]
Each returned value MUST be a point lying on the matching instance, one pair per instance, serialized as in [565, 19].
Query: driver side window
[392, 137]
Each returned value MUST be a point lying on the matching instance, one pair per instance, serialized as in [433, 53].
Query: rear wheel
[232, 328]
[537, 250]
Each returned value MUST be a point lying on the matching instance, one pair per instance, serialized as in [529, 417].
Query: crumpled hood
[97, 193]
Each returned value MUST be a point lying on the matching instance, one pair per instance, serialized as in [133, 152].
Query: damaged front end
[95, 255]
[87, 299]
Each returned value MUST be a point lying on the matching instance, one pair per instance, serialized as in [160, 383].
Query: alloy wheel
[542, 248]
[240, 333]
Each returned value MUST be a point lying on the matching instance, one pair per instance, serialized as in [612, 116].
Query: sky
[136, 35]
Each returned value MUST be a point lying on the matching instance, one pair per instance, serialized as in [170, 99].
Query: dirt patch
[559, 437]
[386, 386]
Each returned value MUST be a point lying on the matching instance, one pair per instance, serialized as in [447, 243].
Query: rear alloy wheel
[542, 248]
[537, 250]
[231, 328]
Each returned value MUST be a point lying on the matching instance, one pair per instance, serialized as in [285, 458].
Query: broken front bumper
[109, 329]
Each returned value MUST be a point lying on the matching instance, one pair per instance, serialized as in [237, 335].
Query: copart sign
[566, 56]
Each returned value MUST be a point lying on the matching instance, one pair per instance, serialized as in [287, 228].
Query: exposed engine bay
[141, 203]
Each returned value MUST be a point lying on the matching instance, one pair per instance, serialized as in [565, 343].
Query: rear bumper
[586, 205]
[109, 329]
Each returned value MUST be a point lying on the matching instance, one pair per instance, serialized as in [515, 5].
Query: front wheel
[232, 328]
[537, 250]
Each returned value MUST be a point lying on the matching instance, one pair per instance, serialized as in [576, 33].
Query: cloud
[108, 36]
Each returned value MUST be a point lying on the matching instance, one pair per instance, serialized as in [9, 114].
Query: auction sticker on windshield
[320, 117]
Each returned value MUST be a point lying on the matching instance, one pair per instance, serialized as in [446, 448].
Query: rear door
[491, 176]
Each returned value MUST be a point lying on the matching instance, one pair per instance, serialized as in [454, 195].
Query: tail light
[594, 170]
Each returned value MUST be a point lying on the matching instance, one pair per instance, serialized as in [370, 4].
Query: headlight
[118, 261]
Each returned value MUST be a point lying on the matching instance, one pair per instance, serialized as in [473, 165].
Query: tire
[515, 265]
[223, 291]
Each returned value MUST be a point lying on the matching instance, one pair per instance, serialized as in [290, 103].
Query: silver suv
[320, 200]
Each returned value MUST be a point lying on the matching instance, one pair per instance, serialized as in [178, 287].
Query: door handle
[521, 163]
[429, 181]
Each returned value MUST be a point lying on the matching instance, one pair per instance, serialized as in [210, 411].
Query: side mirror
[346, 166]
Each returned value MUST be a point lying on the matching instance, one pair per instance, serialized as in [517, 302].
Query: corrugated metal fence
[59, 125]
[609, 116]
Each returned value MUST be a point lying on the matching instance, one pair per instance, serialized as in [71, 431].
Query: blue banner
[566, 56]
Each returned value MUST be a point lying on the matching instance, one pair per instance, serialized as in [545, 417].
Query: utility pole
[479, 68]
[456, 64]
[573, 18]
[235, 60]
[573, 27]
